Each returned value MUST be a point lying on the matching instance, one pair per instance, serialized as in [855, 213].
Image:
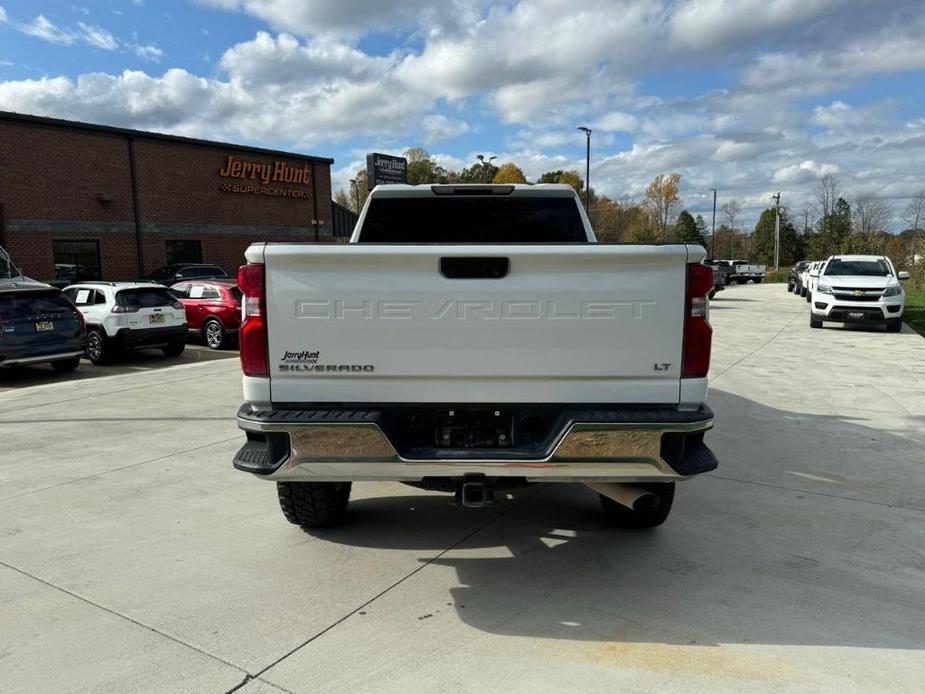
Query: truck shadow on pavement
[753, 553]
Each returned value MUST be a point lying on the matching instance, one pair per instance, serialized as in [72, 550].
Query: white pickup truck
[471, 339]
[743, 271]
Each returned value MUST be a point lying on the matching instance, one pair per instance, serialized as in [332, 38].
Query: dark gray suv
[38, 324]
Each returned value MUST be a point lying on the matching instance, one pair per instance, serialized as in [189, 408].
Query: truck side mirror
[903, 275]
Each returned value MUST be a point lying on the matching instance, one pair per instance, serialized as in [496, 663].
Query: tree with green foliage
[483, 172]
[550, 176]
[701, 225]
[422, 169]
[762, 249]
[686, 231]
[509, 173]
[568, 177]
[834, 229]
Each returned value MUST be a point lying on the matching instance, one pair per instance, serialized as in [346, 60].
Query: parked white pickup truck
[858, 289]
[473, 338]
[743, 271]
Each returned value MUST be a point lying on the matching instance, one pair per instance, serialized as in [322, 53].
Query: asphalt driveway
[134, 558]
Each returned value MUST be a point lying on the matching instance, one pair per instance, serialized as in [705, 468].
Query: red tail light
[252, 336]
[698, 335]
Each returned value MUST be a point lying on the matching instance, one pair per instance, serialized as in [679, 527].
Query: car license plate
[855, 314]
[44, 325]
[157, 318]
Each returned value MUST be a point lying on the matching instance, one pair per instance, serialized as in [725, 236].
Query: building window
[184, 252]
[76, 261]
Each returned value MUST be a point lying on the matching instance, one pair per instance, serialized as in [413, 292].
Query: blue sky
[751, 96]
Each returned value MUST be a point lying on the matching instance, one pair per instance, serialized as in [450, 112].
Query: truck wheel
[814, 322]
[802, 290]
[809, 297]
[175, 348]
[314, 504]
[757, 280]
[651, 512]
[894, 325]
[99, 349]
[66, 365]
[712, 293]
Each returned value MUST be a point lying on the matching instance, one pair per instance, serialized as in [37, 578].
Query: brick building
[120, 203]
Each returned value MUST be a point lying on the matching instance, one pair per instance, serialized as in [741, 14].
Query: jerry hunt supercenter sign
[384, 168]
[255, 178]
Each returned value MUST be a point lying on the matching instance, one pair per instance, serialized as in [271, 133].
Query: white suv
[128, 315]
[859, 289]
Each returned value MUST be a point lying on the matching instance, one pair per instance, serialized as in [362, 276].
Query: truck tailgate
[566, 323]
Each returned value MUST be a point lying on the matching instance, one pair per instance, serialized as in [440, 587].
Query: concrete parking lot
[134, 558]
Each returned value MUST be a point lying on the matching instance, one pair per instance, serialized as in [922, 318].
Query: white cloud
[43, 28]
[702, 24]
[617, 121]
[438, 127]
[348, 17]
[3, 16]
[97, 37]
[804, 172]
[46, 30]
[285, 60]
[147, 52]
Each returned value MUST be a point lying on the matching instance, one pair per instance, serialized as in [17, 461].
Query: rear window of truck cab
[480, 220]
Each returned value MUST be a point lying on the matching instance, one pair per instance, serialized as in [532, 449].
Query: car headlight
[824, 289]
[893, 291]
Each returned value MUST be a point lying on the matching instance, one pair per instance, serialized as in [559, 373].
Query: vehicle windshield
[483, 220]
[162, 272]
[145, 298]
[861, 268]
[28, 305]
[7, 269]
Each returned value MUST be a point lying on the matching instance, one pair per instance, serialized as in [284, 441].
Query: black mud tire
[712, 293]
[314, 504]
[814, 322]
[894, 325]
[63, 366]
[802, 290]
[649, 514]
[175, 348]
[757, 280]
[99, 349]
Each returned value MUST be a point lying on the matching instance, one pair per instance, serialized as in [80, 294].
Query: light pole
[485, 161]
[776, 199]
[713, 235]
[356, 193]
[587, 132]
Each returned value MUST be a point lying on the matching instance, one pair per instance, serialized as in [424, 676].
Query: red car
[213, 309]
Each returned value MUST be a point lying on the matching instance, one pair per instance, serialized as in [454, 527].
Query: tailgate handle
[474, 268]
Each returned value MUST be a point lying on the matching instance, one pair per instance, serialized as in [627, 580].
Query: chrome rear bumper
[632, 451]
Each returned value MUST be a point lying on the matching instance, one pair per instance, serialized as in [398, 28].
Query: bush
[778, 277]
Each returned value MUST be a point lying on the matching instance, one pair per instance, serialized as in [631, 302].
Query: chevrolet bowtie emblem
[858, 292]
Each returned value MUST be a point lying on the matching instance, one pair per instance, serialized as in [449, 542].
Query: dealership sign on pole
[384, 168]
